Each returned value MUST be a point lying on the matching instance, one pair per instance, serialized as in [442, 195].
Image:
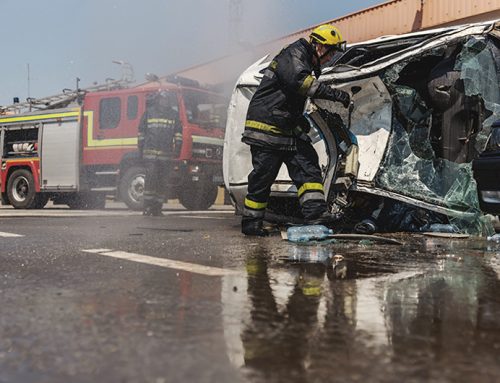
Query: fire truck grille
[207, 147]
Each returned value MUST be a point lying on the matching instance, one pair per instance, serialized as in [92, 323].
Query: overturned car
[401, 158]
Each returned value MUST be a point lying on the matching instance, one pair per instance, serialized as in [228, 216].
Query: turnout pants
[304, 170]
[155, 184]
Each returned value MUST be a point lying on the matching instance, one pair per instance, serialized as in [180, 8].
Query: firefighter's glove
[342, 97]
[332, 94]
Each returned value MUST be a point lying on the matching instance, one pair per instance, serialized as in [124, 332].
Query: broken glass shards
[437, 130]
[416, 116]
[478, 70]
[427, 179]
[435, 180]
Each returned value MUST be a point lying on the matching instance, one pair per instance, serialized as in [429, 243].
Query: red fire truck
[82, 147]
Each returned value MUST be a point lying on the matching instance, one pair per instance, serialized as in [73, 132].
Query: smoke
[82, 38]
[157, 36]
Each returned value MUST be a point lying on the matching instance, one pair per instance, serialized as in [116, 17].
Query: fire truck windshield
[205, 109]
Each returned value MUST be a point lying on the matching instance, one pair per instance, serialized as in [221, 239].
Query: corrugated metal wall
[439, 12]
[390, 18]
[401, 16]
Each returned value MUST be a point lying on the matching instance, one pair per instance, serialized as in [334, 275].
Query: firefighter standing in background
[158, 133]
[277, 132]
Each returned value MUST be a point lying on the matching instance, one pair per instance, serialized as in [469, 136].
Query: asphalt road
[112, 296]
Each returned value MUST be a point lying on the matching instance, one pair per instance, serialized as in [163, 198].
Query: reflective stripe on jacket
[156, 138]
[277, 105]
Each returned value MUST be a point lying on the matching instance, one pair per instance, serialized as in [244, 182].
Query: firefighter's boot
[253, 227]
[153, 211]
[157, 213]
[326, 218]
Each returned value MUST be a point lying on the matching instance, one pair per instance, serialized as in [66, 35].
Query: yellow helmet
[327, 34]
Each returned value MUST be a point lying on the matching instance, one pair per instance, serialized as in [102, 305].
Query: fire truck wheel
[21, 189]
[198, 195]
[131, 187]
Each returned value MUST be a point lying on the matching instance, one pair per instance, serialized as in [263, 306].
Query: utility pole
[29, 85]
[28, 70]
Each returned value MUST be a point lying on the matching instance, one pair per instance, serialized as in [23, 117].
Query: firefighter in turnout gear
[276, 130]
[158, 134]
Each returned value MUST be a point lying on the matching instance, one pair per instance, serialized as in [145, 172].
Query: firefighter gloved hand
[334, 95]
[342, 97]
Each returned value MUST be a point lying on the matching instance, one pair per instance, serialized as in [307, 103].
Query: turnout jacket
[159, 134]
[276, 108]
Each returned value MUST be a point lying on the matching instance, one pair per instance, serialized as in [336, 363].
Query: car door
[369, 122]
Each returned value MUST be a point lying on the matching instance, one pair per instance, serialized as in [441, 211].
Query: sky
[47, 44]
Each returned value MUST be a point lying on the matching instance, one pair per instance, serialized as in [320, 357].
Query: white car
[423, 108]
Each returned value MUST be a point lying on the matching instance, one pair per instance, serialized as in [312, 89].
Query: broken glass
[436, 180]
[412, 167]
[463, 192]
[391, 75]
[477, 65]
[416, 117]
[406, 173]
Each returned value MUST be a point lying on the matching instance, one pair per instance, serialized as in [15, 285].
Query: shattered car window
[440, 125]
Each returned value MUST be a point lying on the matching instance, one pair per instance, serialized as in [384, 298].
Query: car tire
[131, 188]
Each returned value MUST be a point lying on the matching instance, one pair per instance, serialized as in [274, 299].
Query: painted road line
[163, 262]
[8, 235]
[184, 212]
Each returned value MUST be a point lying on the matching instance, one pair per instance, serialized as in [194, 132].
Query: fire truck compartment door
[60, 156]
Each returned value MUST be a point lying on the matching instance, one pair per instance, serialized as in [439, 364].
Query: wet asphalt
[425, 311]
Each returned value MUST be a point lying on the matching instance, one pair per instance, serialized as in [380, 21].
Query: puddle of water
[428, 310]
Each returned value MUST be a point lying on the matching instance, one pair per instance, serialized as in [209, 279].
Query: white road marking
[163, 262]
[184, 212]
[199, 216]
[8, 235]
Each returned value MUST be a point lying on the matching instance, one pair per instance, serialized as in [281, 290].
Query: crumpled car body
[423, 107]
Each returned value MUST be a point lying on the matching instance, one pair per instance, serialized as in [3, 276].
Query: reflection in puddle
[429, 311]
[352, 263]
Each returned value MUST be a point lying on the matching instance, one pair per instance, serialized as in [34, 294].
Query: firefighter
[157, 137]
[277, 132]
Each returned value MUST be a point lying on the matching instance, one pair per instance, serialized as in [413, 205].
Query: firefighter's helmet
[327, 34]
